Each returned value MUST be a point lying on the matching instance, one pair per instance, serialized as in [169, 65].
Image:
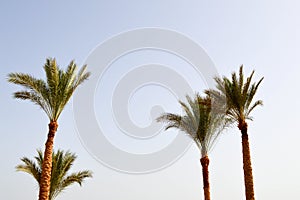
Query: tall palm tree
[238, 95]
[202, 124]
[61, 164]
[51, 95]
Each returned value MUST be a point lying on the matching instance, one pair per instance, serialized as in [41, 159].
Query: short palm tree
[202, 124]
[238, 95]
[61, 164]
[51, 95]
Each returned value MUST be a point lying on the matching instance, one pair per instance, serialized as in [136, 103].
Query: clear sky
[262, 35]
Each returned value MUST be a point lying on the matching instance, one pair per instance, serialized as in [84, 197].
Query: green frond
[28, 81]
[82, 75]
[257, 103]
[30, 167]
[220, 84]
[39, 158]
[52, 74]
[241, 77]
[71, 69]
[188, 111]
[36, 92]
[67, 161]
[35, 98]
[76, 177]
[246, 86]
[169, 117]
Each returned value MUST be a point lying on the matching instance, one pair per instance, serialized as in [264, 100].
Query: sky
[261, 35]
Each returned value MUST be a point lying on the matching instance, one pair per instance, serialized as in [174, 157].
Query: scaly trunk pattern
[205, 162]
[248, 177]
[47, 163]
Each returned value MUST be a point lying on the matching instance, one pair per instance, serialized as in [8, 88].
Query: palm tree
[51, 95]
[61, 164]
[202, 124]
[238, 96]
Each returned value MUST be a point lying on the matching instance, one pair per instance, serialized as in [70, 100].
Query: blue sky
[261, 35]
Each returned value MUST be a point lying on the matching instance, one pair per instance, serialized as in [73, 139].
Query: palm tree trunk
[205, 162]
[47, 163]
[248, 177]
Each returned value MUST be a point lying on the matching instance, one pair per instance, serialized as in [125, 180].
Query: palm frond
[76, 177]
[39, 158]
[30, 167]
[82, 75]
[257, 103]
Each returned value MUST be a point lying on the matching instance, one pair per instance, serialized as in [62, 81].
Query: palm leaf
[30, 167]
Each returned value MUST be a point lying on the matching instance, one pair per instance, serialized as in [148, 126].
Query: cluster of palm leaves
[206, 117]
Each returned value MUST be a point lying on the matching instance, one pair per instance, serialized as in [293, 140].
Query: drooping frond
[72, 178]
[30, 167]
[237, 94]
[53, 94]
[61, 164]
[200, 121]
[39, 158]
[36, 90]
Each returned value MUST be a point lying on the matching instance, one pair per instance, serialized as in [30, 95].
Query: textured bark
[47, 163]
[248, 177]
[205, 162]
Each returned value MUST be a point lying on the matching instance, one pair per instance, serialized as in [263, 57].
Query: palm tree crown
[60, 180]
[237, 94]
[51, 95]
[199, 121]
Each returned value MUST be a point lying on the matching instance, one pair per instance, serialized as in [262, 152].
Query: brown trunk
[205, 162]
[248, 177]
[47, 163]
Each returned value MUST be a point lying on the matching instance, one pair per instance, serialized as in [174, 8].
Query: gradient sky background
[262, 35]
